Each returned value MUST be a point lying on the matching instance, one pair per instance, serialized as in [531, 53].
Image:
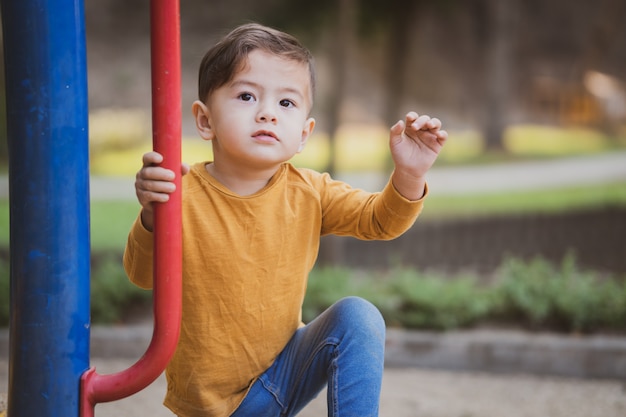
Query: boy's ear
[309, 125]
[201, 116]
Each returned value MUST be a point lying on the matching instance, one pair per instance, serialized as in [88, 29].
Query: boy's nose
[266, 114]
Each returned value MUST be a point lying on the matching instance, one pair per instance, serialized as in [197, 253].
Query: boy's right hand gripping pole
[167, 293]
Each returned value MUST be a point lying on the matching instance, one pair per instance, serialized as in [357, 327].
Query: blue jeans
[342, 349]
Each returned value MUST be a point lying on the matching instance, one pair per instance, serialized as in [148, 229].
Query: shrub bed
[534, 294]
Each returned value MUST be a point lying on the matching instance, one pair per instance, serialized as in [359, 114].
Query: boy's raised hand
[415, 144]
[154, 184]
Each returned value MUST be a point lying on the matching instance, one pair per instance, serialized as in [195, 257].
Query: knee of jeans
[358, 313]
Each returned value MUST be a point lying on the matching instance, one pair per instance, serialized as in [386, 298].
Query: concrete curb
[510, 352]
[496, 351]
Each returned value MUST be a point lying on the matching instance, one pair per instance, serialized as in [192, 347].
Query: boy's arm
[415, 144]
[153, 184]
[348, 211]
[138, 255]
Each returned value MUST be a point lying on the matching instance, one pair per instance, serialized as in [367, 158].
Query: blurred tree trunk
[342, 45]
[332, 248]
[604, 35]
[498, 51]
[4, 140]
[403, 15]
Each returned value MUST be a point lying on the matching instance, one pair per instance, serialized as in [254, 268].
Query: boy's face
[259, 118]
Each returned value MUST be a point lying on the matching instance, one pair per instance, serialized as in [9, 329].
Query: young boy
[251, 230]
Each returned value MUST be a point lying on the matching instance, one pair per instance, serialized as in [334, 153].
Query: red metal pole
[167, 127]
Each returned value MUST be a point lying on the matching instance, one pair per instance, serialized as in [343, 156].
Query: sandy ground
[410, 392]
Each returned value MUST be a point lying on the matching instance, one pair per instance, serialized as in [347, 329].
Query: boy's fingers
[426, 127]
[417, 122]
[151, 158]
[397, 128]
[154, 185]
[434, 123]
[153, 173]
[147, 197]
[411, 117]
[149, 192]
[422, 121]
[158, 197]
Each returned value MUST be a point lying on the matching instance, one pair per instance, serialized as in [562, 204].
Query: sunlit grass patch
[126, 162]
[120, 140]
[116, 129]
[195, 150]
[315, 154]
[535, 140]
[462, 145]
[362, 148]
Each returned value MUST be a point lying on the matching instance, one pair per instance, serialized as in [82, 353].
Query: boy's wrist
[147, 219]
[409, 186]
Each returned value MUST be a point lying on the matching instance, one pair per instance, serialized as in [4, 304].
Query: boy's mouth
[265, 135]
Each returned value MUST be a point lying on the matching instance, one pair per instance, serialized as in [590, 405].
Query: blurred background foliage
[511, 80]
[502, 75]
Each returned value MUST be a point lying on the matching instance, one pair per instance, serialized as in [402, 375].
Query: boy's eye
[286, 103]
[246, 97]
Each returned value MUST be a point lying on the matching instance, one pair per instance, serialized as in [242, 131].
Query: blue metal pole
[47, 109]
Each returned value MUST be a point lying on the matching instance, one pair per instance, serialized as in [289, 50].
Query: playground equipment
[46, 79]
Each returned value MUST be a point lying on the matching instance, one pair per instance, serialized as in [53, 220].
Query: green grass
[111, 220]
[110, 223]
[537, 201]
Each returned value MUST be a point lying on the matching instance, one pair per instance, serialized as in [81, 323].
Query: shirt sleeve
[369, 216]
[137, 261]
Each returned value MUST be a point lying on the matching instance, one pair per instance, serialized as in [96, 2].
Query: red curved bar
[167, 128]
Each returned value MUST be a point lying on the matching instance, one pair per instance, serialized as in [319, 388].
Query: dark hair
[223, 60]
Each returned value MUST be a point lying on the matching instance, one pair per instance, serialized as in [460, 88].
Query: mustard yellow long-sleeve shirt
[245, 266]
